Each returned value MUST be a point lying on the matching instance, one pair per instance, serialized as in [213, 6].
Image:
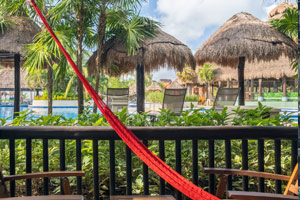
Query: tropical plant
[188, 75]
[288, 25]
[207, 74]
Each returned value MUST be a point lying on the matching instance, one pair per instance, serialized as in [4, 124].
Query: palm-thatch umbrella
[278, 11]
[154, 87]
[175, 85]
[159, 51]
[7, 79]
[245, 38]
[12, 41]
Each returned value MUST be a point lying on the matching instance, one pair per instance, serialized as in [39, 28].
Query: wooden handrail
[54, 174]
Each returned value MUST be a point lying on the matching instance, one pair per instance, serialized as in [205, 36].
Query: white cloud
[188, 19]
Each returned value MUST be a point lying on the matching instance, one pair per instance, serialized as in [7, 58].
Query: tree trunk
[50, 89]
[284, 86]
[80, 23]
[100, 52]
[140, 88]
[241, 69]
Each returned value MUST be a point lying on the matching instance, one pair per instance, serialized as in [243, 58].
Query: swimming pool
[7, 111]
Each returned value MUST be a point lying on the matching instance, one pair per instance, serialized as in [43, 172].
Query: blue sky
[193, 21]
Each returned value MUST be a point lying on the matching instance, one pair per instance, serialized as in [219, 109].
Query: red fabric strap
[155, 163]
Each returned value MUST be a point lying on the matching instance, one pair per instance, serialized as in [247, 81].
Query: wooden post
[252, 89]
[260, 87]
[17, 85]
[284, 98]
[275, 86]
[140, 88]
[228, 83]
[220, 84]
[241, 69]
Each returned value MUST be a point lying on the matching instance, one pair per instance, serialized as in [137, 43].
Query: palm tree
[80, 15]
[288, 25]
[207, 75]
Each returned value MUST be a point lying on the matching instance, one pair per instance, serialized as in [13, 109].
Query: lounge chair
[54, 174]
[226, 97]
[174, 100]
[117, 98]
[289, 193]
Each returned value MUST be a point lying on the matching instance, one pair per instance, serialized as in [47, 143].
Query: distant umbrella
[278, 11]
[245, 38]
[154, 87]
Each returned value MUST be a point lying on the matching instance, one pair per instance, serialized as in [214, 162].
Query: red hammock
[155, 163]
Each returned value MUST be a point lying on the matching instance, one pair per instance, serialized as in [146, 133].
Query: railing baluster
[146, 174]
[12, 165]
[261, 164]
[162, 186]
[195, 162]
[211, 163]
[62, 158]
[28, 166]
[46, 165]
[96, 169]
[128, 171]
[278, 165]
[112, 171]
[178, 164]
[78, 165]
[294, 154]
[228, 162]
[245, 164]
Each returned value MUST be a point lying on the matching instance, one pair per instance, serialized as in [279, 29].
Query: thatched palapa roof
[162, 50]
[265, 70]
[154, 87]
[243, 35]
[279, 10]
[7, 79]
[175, 85]
[19, 33]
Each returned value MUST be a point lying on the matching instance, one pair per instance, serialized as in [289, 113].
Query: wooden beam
[241, 69]
[17, 93]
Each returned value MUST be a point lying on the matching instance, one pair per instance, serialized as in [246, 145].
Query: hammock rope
[155, 163]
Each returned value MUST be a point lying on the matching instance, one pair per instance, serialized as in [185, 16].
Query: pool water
[7, 112]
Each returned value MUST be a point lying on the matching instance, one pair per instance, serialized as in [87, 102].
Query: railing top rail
[151, 133]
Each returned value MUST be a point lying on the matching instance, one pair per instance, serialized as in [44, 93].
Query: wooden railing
[177, 134]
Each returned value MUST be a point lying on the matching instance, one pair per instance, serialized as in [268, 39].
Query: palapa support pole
[252, 88]
[260, 94]
[284, 84]
[275, 86]
[241, 69]
[17, 93]
[140, 83]
[228, 83]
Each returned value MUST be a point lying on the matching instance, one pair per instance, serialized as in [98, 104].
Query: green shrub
[154, 97]
[191, 98]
